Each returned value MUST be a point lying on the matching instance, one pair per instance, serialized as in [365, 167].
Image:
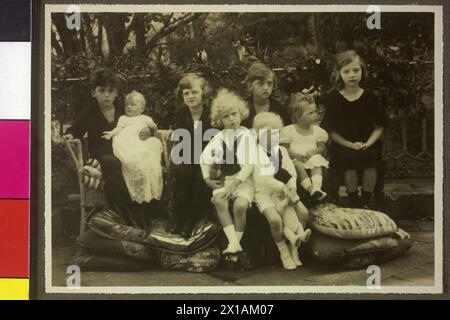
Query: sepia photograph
[243, 149]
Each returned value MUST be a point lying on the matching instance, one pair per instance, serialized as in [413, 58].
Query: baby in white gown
[141, 159]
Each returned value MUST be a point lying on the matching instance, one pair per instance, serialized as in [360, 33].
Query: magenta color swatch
[14, 159]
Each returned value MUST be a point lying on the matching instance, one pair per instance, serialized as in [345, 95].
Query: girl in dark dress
[355, 122]
[191, 195]
[260, 82]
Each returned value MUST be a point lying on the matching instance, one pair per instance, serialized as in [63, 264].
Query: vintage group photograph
[243, 149]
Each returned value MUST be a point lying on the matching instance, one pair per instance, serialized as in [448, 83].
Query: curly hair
[341, 60]
[186, 83]
[224, 100]
[267, 119]
[297, 104]
[105, 78]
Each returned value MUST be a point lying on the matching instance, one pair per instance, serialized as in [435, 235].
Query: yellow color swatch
[14, 289]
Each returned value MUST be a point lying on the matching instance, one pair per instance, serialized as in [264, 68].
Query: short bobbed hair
[225, 100]
[341, 60]
[267, 119]
[258, 71]
[186, 83]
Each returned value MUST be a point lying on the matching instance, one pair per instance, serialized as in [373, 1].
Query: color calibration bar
[15, 90]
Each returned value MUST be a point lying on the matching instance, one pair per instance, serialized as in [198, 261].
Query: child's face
[262, 89]
[351, 73]
[309, 115]
[231, 118]
[193, 97]
[105, 95]
[134, 107]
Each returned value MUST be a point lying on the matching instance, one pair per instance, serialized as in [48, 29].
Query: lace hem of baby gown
[136, 182]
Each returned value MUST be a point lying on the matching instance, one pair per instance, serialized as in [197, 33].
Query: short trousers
[265, 200]
[244, 190]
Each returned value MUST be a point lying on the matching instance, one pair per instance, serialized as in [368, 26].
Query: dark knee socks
[353, 200]
[365, 199]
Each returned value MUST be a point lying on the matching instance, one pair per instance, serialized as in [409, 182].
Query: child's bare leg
[227, 224]
[291, 222]
[351, 180]
[293, 249]
[291, 236]
[291, 225]
[275, 223]
[351, 183]
[369, 179]
[302, 213]
[240, 207]
[303, 233]
[276, 228]
[302, 175]
[368, 185]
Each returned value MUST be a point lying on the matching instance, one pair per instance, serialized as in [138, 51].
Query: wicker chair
[90, 198]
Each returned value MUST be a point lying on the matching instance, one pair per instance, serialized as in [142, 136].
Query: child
[275, 190]
[191, 194]
[260, 82]
[233, 147]
[101, 114]
[306, 144]
[141, 160]
[355, 122]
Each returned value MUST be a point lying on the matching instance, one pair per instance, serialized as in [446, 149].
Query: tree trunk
[71, 44]
[56, 45]
[312, 25]
[169, 28]
[139, 30]
[89, 37]
[100, 36]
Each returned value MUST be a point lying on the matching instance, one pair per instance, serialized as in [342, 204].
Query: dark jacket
[183, 120]
[275, 107]
[92, 121]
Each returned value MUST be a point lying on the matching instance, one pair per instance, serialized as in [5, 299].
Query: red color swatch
[14, 237]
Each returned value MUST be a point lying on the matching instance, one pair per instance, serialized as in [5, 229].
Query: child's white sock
[294, 254]
[239, 235]
[306, 184]
[285, 256]
[317, 181]
[317, 187]
[233, 242]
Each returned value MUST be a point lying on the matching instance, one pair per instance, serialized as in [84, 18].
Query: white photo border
[439, 170]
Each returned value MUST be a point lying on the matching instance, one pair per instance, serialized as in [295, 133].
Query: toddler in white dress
[141, 159]
[306, 143]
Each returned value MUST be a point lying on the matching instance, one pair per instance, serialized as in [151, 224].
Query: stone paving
[415, 268]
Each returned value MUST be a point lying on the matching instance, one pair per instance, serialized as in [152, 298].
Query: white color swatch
[15, 80]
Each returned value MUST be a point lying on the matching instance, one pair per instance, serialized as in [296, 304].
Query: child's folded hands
[68, 136]
[213, 184]
[230, 188]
